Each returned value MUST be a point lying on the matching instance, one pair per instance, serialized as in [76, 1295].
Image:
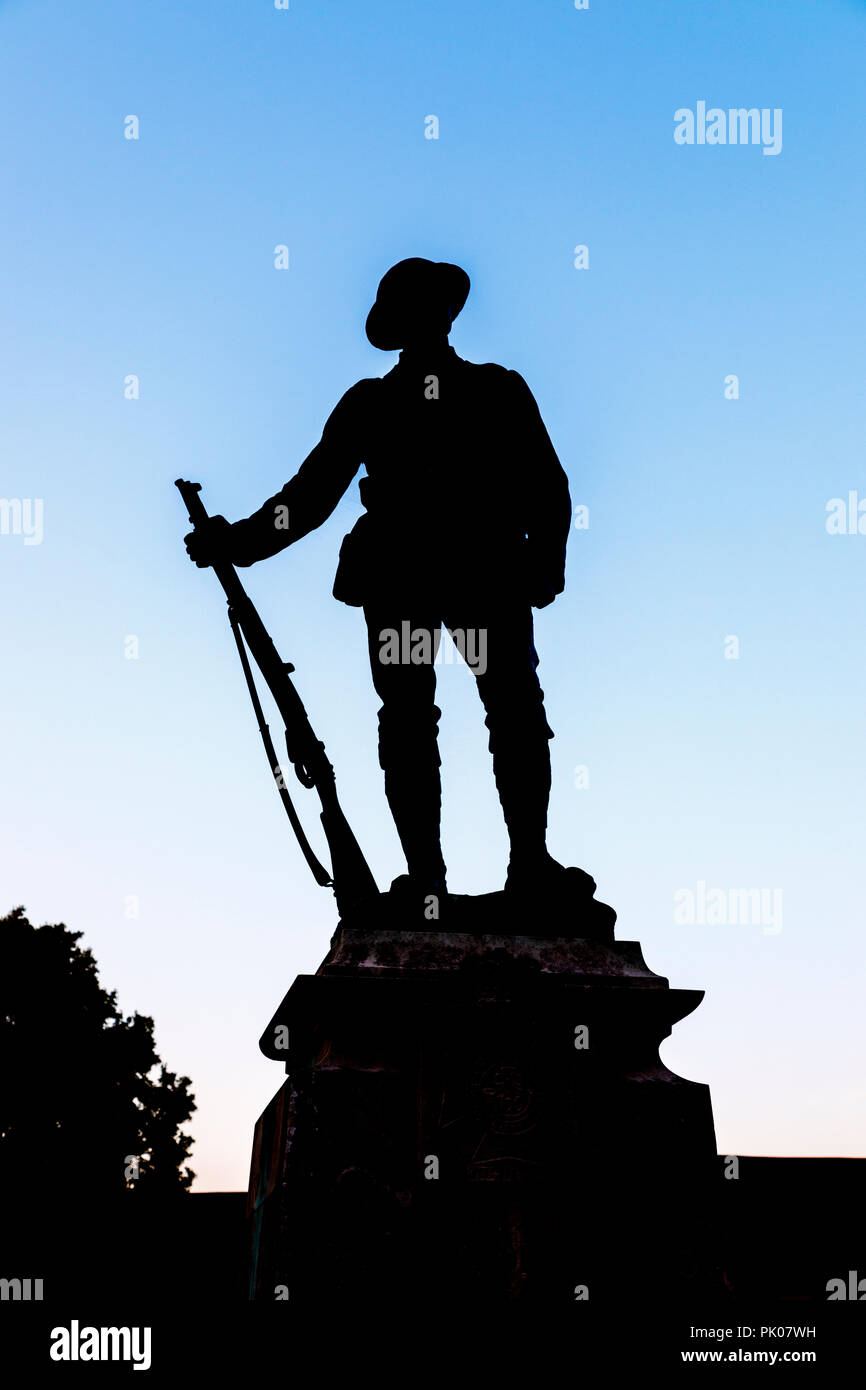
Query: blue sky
[155, 257]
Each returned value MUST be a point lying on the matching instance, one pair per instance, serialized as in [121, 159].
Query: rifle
[350, 875]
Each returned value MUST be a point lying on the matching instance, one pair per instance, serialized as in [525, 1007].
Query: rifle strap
[320, 873]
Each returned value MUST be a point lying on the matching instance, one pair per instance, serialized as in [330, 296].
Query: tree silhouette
[83, 1106]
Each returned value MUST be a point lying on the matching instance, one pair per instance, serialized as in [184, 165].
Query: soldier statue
[467, 513]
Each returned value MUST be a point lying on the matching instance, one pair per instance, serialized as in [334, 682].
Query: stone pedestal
[480, 1119]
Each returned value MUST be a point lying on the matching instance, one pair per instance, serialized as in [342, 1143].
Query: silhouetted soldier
[467, 516]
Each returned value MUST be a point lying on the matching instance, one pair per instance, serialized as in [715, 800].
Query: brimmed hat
[408, 293]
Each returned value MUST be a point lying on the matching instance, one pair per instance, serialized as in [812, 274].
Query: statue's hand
[544, 588]
[545, 573]
[542, 595]
[209, 544]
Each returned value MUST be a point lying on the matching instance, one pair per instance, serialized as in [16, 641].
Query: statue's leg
[408, 728]
[506, 673]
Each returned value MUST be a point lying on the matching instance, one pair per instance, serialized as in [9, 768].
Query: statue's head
[417, 301]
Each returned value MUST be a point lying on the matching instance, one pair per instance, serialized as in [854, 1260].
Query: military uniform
[467, 514]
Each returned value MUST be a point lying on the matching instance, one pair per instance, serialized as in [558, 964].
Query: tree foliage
[84, 1091]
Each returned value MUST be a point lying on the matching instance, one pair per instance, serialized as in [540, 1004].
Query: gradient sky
[155, 257]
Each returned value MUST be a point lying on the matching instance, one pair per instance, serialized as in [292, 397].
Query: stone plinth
[482, 1118]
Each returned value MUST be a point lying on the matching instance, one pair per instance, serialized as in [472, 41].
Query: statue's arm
[548, 502]
[309, 498]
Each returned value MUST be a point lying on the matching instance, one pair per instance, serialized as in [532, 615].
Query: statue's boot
[542, 874]
[523, 781]
[415, 799]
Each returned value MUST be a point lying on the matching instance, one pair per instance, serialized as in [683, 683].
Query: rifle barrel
[351, 877]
